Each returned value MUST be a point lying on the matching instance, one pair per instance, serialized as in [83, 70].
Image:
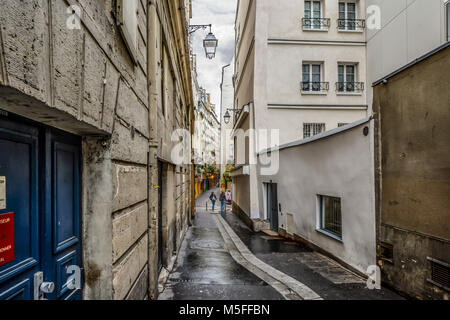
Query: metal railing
[349, 86]
[351, 24]
[314, 86]
[315, 23]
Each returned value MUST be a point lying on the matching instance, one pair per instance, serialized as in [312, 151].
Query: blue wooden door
[41, 170]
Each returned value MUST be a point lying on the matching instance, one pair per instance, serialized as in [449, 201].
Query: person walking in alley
[213, 199]
[222, 200]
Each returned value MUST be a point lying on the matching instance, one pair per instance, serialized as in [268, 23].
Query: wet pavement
[323, 275]
[206, 271]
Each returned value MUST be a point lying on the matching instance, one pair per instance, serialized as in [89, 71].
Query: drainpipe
[222, 165]
[152, 72]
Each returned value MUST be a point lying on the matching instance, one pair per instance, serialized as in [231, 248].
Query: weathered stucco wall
[337, 166]
[413, 149]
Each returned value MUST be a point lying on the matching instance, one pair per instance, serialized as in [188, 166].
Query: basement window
[440, 274]
[127, 20]
[387, 252]
[330, 216]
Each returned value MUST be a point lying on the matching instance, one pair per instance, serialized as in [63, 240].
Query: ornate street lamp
[227, 116]
[210, 43]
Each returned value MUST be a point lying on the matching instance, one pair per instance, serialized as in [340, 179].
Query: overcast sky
[221, 14]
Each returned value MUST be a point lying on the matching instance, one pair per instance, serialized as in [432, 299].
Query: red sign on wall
[6, 238]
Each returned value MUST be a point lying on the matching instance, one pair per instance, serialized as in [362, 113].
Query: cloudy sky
[221, 14]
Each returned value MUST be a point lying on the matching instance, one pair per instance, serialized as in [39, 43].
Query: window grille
[440, 274]
[311, 129]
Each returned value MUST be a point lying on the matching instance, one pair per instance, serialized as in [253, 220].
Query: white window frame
[355, 65]
[346, 2]
[127, 20]
[311, 14]
[320, 217]
[312, 126]
[311, 64]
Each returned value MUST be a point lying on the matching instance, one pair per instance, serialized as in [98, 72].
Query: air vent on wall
[440, 274]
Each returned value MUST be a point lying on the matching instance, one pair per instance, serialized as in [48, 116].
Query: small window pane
[305, 80]
[351, 15]
[351, 8]
[307, 6]
[316, 69]
[306, 73]
[341, 10]
[330, 214]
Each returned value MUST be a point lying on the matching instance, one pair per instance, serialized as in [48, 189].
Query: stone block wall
[84, 81]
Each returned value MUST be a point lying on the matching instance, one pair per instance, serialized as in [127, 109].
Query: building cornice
[317, 137]
[317, 106]
[315, 42]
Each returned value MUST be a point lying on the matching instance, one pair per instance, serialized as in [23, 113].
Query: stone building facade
[113, 79]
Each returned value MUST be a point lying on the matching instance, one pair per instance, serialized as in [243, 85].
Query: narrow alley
[322, 127]
[208, 267]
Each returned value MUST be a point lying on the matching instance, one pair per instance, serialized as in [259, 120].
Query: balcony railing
[350, 86]
[351, 24]
[315, 86]
[316, 23]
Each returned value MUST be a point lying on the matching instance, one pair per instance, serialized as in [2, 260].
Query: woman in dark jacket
[213, 199]
[222, 200]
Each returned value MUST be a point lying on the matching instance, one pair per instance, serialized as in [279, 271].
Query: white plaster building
[300, 69]
[206, 139]
[409, 29]
[227, 102]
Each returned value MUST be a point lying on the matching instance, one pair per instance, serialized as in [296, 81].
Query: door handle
[47, 287]
[41, 287]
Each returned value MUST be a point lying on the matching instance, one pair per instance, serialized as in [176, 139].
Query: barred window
[311, 129]
[330, 215]
[341, 124]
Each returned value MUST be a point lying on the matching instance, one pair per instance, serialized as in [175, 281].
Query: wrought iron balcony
[316, 23]
[315, 86]
[350, 86]
[351, 24]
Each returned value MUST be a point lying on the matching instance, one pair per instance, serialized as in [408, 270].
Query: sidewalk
[323, 275]
[205, 269]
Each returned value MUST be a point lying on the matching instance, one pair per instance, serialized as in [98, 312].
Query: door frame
[271, 198]
[46, 141]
